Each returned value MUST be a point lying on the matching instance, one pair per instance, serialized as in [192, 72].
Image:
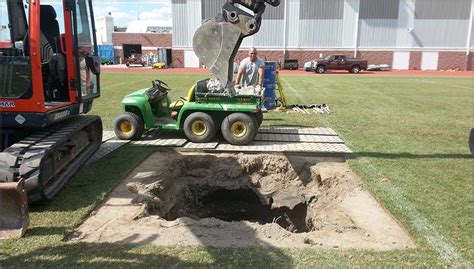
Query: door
[129, 49]
[332, 62]
[342, 63]
[85, 41]
[401, 60]
[190, 59]
[429, 61]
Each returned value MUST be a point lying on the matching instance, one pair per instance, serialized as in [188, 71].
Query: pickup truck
[291, 64]
[339, 62]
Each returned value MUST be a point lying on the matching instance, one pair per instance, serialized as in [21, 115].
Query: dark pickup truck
[339, 62]
[291, 64]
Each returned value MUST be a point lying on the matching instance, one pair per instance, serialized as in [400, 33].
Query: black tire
[239, 128]
[320, 69]
[127, 64]
[259, 118]
[355, 69]
[129, 126]
[199, 127]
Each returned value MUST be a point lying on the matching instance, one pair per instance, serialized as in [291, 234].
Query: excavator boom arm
[218, 40]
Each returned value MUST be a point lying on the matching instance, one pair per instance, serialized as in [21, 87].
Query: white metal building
[408, 34]
[104, 29]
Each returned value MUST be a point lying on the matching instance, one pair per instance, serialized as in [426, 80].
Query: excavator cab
[49, 62]
[49, 74]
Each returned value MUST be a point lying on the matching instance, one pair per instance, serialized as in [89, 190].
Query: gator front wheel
[129, 126]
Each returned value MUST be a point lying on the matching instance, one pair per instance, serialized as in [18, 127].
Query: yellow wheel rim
[199, 128]
[238, 129]
[126, 127]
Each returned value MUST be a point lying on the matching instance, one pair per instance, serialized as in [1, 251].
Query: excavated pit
[236, 205]
[244, 200]
[256, 188]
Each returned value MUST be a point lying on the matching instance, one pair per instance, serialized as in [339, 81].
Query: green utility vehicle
[200, 114]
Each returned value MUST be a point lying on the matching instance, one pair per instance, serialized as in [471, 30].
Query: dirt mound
[244, 199]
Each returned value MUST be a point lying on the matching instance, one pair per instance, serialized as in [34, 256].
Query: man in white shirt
[251, 70]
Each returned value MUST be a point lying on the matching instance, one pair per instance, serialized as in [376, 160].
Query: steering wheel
[162, 86]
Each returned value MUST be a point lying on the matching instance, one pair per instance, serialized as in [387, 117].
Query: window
[321, 9]
[379, 9]
[442, 9]
[83, 23]
[86, 48]
[15, 69]
[4, 31]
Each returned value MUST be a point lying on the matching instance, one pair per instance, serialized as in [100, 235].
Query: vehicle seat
[49, 28]
[53, 62]
[176, 106]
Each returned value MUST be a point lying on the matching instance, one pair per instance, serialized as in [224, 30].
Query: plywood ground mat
[269, 139]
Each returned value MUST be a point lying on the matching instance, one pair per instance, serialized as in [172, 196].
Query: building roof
[142, 26]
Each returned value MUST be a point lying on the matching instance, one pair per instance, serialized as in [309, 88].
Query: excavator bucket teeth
[13, 210]
[216, 44]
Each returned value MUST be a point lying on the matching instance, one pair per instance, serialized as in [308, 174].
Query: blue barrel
[269, 83]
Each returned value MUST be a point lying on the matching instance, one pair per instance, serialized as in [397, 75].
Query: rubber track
[23, 159]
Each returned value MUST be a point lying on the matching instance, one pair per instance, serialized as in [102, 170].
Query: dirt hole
[237, 205]
[261, 189]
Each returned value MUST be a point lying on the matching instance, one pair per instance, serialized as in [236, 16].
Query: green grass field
[411, 130]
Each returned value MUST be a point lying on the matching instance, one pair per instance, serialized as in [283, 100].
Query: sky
[157, 13]
[151, 12]
[123, 11]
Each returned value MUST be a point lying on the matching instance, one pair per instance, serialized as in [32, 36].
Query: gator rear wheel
[199, 127]
[129, 126]
[239, 128]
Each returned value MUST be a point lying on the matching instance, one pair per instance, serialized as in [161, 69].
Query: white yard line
[424, 80]
[447, 252]
[300, 97]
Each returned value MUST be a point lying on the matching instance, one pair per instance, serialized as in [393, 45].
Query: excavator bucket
[216, 43]
[13, 210]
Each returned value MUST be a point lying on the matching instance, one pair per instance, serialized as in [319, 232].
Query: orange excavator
[49, 76]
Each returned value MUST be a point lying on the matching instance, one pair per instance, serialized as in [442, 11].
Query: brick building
[150, 42]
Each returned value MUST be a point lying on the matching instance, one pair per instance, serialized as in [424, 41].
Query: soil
[284, 201]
